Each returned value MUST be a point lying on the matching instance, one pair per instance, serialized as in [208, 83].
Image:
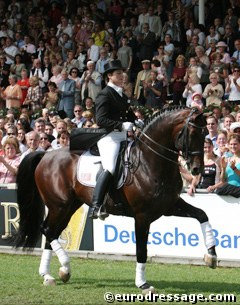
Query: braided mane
[160, 115]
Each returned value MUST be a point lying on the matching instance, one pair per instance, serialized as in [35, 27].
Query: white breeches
[109, 147]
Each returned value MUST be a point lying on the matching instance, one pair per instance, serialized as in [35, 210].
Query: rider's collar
[116, 88]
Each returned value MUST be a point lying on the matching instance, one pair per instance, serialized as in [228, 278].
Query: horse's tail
[31, 207]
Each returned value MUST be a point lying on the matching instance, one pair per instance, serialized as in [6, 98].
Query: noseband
[181, 143]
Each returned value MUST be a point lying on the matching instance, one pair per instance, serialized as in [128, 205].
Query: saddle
[90, 166]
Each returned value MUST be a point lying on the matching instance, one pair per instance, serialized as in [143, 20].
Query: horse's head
[190, 140]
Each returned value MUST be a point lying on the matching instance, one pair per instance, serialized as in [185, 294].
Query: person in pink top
[9, 163]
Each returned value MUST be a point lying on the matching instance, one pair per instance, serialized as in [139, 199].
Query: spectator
[74, 75]
[125, 54]
[153, 91]
[127, 86]
[13, 93]
[44, 142]
[57, 76]
[211, 172]
[71, 62]
[24, 84]
[236, 55]
[213, 92]
[63, 139]
[41, 73]
[221, 48]
[204, 63]
[228, 120]
[91, 81]
[93, 50]
[233, 86]
[17, 67]
[147, 43]
[142, 77]
[78, 118]
[67, 93]
[22, 140]
[10, 50]
[103, 59]
[4, 72]
[213, 34]
[9, 163]
[230, 175]
[34, 94]
[64, 27]
[51, 98]
[98, 34]
[193, 68]
[177, 80]
[193, 86]
[33, 139]
[221, 148]
[212, 129]
[81, 55]
[219, 67]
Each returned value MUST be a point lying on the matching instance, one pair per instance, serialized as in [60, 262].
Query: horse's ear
[207, 114]
[201, 117]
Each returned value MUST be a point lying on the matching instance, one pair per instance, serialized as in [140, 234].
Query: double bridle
[181, 143]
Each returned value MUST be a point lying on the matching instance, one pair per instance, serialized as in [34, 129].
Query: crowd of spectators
[52, 57]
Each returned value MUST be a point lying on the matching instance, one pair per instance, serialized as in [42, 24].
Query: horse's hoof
[210, 261]
[146, 288]
[64, 274]
[49, 281]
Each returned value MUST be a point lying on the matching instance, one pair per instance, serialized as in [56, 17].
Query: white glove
[127, 126]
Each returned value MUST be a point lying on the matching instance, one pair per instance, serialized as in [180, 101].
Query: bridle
[181, 142]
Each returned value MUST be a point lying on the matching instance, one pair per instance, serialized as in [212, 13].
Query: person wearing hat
[221, 48]
[113, 113]
[142, 77]
[235, 127]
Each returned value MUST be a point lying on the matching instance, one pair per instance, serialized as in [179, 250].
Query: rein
[182, 134]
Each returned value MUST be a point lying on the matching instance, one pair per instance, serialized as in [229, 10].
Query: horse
[152, 189]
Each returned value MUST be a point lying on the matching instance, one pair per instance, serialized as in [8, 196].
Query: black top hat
[111, 66]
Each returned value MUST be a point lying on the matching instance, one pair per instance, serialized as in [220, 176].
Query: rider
[113, 113]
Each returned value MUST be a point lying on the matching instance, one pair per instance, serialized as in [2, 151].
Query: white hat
[234, 126]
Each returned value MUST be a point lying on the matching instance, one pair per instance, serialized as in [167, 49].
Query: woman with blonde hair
[193, 86]
[177, 79]
[214, 91]
[34, 94]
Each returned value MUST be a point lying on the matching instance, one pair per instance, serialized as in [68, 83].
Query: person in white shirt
[33, 140]
[93, 50]
[10, 51]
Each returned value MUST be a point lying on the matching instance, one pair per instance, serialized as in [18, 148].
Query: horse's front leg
[44, 268]
[184, 209]
[141, 233]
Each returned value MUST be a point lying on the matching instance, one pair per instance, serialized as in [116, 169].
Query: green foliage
[21, 284]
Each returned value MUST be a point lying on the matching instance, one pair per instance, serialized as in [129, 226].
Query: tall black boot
[100, 190]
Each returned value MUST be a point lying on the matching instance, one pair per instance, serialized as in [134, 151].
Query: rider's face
[116, 77]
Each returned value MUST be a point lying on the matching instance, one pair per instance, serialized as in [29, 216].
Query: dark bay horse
[153, 189]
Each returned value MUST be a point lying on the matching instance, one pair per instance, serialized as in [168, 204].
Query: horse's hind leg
[52, 227]
[184, 209]
[44, 268]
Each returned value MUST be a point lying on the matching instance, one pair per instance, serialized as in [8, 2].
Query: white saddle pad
[87, 169]
[89, 166]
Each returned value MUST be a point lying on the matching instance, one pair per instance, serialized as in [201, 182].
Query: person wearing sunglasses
[233, 85]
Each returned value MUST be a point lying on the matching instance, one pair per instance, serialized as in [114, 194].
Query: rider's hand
[127, 126]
